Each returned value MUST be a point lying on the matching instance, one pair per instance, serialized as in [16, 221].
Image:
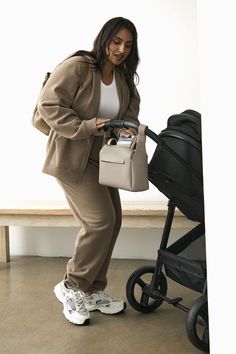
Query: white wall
[37, 35]
[56, 242]
[217, 30]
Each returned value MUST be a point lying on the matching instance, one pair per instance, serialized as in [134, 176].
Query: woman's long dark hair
[104, 37]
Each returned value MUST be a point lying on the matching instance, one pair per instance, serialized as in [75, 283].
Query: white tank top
[109, 101]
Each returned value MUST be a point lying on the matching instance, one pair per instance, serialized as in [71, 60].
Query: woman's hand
[100, 122]
[127, 133]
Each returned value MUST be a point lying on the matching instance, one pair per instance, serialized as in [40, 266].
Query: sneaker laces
[79, 301]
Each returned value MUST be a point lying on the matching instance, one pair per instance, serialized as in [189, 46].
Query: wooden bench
[57, 213]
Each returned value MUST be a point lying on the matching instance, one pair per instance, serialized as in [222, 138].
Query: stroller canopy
[176, 166]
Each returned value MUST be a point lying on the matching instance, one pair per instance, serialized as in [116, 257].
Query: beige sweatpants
[99, 210]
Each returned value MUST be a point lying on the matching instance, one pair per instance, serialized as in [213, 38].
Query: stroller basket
[185, 260]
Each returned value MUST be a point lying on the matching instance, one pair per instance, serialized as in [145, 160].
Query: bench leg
[4, 244]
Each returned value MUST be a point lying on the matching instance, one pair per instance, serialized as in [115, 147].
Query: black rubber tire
[143, 304]
[198, 315]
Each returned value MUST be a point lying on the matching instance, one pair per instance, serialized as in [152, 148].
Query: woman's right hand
[100, 122]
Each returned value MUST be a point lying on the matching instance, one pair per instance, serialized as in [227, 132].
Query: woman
[82, 94]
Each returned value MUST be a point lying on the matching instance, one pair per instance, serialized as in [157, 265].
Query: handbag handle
[141, 136]
[112, 141]
[138, 140]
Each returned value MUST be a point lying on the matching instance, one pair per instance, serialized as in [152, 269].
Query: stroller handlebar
[120, 124]
[112, 124]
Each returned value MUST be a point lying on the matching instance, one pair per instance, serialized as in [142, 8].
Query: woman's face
[120, 47]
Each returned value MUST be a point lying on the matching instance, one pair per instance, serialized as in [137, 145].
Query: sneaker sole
[85, 323]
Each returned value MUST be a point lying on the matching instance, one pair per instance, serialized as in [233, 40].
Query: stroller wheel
[197, 324]
[136, 289]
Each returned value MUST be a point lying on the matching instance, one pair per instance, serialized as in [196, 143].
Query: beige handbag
[125, 167]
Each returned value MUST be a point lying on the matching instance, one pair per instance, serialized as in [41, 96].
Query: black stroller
[176, 170]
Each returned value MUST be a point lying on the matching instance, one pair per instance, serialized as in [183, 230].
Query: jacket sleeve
[57, 98]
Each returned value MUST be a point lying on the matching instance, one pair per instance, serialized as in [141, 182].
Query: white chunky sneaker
[73, 304]
[104, 303]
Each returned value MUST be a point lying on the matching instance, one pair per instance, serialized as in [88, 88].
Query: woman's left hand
[127, 133]
[100, 122]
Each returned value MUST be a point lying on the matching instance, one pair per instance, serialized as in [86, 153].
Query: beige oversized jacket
[69, 103]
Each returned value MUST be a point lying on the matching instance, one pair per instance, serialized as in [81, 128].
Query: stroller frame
[157, 289]
[150, 290]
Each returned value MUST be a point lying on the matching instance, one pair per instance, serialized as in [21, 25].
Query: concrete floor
[32, 321]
